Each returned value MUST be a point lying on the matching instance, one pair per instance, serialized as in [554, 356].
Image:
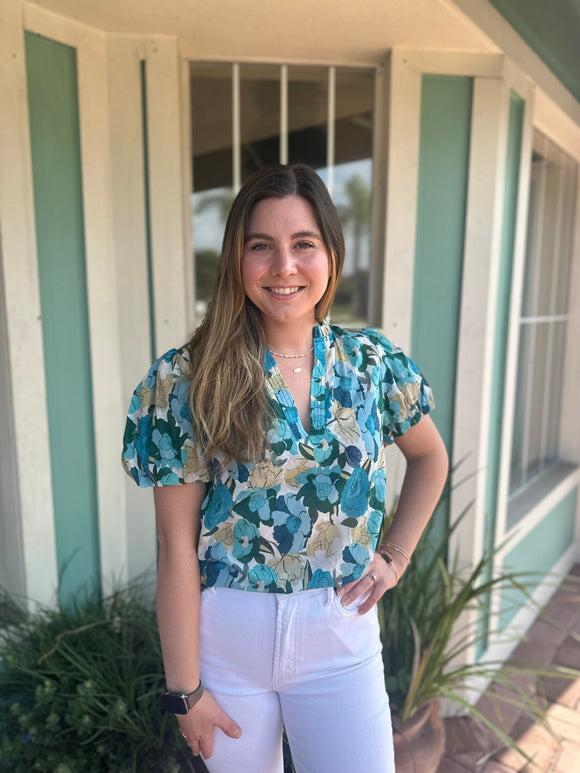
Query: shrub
[80, 690]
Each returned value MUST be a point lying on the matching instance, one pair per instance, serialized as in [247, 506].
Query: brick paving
[554, 639]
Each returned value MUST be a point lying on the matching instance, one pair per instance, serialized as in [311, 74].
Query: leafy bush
[80, 690]
[424, 636]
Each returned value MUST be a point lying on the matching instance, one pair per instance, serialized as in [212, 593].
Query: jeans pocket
[351, 610]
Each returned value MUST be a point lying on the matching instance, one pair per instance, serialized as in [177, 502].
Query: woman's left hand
[384, 579]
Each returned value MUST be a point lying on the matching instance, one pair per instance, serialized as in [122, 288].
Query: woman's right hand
[197, 726]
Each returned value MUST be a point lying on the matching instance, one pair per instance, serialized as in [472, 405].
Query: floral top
[308, 514]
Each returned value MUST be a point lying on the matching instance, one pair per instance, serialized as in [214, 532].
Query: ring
[370, 574]
[184, 735]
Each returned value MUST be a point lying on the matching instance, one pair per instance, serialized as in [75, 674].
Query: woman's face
[285, 263]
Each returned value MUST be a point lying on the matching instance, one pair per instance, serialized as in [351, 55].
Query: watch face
[173, 704]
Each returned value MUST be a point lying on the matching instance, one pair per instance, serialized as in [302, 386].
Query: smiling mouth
[284, 290]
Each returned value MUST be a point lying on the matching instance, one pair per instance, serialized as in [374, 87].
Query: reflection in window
[213, 193]
[247, 117]
[308, 117]
[351, 190]
[259, 117]
[544, 313]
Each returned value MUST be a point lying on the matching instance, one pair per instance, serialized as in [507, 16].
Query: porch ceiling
[313, 30]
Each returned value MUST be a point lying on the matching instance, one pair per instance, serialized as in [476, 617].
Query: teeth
[284, 290]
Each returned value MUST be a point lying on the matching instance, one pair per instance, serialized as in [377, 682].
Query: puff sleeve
[158, 447]
[406, 395]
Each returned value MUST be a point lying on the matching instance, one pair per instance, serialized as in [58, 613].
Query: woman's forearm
[427, 467]
[178, 602]
[422, 486]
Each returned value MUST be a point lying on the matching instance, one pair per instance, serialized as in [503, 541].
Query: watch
[386, 557]
[180, 702]
[383, 554]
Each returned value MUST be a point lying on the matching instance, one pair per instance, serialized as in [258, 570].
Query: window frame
[524, 508]
[378, 157]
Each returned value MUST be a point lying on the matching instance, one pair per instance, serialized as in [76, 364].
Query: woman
[264, 438]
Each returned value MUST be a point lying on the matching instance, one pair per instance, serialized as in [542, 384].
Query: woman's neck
[290, 339]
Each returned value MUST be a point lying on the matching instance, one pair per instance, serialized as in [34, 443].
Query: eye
[305, 245]
[259, 246]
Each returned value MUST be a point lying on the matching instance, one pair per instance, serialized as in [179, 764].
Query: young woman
[264, 438]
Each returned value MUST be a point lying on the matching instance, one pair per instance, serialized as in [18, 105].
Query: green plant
[424, 636]
[80, 689]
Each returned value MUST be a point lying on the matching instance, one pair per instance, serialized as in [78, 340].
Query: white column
[166, 193]
[30, 476]
[136, 524]
[483, 232]
[403, 134]
[106, 354]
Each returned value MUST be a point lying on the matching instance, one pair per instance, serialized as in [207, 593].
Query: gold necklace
[294, 357]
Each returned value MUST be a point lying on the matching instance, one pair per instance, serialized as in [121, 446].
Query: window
[544, 313]
[245, 117]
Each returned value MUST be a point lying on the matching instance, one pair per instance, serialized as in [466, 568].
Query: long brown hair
[227, 396]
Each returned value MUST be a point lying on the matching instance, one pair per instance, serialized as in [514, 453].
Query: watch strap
[390, 563]
[386, 557]
[180, 703]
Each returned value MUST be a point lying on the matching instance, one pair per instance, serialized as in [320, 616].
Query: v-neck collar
[320, 392]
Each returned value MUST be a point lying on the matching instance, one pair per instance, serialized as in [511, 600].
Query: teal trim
[510, 204]
[538, 552]
[552, 30]
[58, 204]
[443, 172]
[152, 340]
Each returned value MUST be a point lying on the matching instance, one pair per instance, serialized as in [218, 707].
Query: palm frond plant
[427, 631]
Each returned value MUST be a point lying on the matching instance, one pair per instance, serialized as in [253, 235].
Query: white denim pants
[302, 661]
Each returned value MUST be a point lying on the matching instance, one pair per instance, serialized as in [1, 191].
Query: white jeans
[303, 661]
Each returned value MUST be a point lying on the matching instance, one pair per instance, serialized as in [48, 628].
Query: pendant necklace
[294, 357]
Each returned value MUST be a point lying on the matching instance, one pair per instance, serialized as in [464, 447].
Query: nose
[284, 262]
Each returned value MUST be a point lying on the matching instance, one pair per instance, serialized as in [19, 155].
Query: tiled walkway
[553, 639]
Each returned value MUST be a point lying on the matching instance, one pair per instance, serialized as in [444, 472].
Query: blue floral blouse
[308, 514]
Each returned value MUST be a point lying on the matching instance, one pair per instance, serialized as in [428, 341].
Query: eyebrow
[297, 235]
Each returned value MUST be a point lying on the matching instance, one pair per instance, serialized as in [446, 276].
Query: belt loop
[329, 592]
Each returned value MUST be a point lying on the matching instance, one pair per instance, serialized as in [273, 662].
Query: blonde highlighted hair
[227, 397]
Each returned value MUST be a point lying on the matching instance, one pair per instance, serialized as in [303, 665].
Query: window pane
[211, 122]
[352, 189]
[535, 396]
[260, 117]
[524, 357]
[543, 332]
[557, 349]
[533, 234]
[567, 234]
[307, 116]
[551, 216]
[259, 120]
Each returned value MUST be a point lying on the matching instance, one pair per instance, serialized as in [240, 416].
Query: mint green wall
[152, 340]
[537, 552]
[514, 145]
[56, 166]
[552, 30]
[443, 172]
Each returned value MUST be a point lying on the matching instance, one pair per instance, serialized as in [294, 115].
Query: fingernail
[237, 732]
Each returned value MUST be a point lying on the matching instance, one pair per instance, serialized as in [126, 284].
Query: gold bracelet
[397, 549]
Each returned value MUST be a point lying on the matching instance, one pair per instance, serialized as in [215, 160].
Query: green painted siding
[552, 30]
[443, 172]
[514, 145]
[56, 166]
[538, 551]
[152, 340]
